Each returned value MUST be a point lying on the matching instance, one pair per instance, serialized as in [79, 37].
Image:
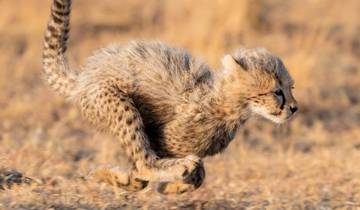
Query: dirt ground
[309, 163]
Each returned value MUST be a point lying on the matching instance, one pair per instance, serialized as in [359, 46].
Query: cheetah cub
[167, 109]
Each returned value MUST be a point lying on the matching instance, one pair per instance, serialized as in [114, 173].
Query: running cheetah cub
[167, 109]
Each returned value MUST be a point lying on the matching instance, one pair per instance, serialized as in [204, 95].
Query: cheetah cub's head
[262, 80]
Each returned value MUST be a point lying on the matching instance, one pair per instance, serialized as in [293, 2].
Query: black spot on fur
[129, 121]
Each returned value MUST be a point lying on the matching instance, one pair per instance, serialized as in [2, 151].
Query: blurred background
[309, 163]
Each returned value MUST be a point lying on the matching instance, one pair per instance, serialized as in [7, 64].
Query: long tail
[55, 64]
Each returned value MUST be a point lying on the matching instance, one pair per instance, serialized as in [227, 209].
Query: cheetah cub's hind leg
[111, 109]
[192, 181]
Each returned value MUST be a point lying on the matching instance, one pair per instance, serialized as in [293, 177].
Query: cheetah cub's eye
[279, 92]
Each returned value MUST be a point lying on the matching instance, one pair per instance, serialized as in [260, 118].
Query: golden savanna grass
[310, 163]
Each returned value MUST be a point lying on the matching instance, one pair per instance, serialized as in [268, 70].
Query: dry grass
[310, 163]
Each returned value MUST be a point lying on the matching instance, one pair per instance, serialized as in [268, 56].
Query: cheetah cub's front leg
[111, 109]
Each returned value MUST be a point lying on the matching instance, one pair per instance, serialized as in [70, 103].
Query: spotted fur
[167, 108]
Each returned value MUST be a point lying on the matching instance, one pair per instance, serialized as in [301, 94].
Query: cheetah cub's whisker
[167, 109]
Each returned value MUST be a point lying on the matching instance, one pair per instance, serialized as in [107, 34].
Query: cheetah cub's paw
[119, 178]
[192, 178]
[178, 169]
[192, 164]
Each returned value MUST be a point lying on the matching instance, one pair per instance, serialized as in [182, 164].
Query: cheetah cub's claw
[119, 178]
[192, 178]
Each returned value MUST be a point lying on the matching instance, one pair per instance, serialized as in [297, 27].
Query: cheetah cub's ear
[229, 62]
[230, 65]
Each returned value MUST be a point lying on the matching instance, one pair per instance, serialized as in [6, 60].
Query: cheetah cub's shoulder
[167, 109]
